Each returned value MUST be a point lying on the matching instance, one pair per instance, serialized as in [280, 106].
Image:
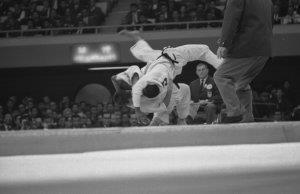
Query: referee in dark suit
[245, 44]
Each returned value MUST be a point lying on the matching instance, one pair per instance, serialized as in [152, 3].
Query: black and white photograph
[149, 96]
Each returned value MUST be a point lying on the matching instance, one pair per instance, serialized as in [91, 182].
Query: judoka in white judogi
[161, 71]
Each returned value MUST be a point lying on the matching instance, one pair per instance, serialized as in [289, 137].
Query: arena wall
[86, 140]
[35, 51]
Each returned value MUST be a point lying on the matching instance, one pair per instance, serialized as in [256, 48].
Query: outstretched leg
[211, 58]
[141, 50]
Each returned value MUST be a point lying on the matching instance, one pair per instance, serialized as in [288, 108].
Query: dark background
[67, 80]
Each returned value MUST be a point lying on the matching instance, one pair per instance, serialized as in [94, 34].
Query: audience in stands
[286, 11]
[133, 15]
[42, 14]
[272, 103]
[47, 114]
[174, 11]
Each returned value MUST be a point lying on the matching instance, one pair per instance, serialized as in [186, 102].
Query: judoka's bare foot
[131, 34]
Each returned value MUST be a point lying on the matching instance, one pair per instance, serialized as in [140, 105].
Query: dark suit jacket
[247, 28]
[200, 93]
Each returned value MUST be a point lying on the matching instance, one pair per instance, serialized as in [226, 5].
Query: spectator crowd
[77, 14]
[276, 103]
[48, 114]
[146, 12]
[286, 11]
[44, 14]
[272, 103]
[165, 11]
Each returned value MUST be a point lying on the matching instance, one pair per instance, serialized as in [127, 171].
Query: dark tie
[201, 83]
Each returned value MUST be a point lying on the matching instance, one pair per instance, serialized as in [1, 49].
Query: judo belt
[173, 61]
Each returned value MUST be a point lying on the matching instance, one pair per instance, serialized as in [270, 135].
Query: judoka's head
[151, 91]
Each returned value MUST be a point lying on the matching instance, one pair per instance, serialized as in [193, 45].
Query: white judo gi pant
[142, 51]
[181, 99]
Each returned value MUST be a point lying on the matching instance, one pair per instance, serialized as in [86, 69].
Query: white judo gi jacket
[161, 71]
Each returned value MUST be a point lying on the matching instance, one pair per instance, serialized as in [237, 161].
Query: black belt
[170, 59]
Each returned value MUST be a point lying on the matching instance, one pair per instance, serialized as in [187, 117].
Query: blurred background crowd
[44, 14]
[29, 113]
[275, 102]
[271, 103]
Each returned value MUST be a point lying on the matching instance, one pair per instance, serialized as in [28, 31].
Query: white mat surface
[60, 141]
[257, 168]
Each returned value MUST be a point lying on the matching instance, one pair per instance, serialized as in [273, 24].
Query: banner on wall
[89, 53]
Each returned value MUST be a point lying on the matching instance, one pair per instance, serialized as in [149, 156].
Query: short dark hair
[151, 91]
[202, 64]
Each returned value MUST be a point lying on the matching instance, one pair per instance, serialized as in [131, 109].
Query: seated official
[205, 96]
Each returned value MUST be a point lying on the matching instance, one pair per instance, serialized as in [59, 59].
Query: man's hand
[141, 117]
[222, 52]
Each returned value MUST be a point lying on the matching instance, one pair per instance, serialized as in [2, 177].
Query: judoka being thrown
[152, 91]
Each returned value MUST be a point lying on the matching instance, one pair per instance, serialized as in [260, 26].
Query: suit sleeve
[216, 98]
[233, 13]
[192, 89]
